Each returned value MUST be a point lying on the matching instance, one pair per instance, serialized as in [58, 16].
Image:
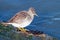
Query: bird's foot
[22, 29]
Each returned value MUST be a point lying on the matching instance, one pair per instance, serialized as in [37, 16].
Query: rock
[11, 33]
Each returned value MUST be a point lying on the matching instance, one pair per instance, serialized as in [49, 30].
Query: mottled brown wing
[19, 17]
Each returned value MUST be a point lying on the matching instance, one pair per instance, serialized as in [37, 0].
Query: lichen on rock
[11, 33]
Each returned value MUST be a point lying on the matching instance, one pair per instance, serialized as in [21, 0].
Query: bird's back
[19, 17]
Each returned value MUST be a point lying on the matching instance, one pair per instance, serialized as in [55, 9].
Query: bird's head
[32, 11]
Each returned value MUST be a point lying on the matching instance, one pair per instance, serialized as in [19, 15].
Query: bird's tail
[4, 23]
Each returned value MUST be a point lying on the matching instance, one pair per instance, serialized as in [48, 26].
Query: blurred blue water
[48, 11]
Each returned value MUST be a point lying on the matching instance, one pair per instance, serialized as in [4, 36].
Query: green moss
[10, 33]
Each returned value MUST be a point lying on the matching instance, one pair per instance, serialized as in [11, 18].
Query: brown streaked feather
[19, 17]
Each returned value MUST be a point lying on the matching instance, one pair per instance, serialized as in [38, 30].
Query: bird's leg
[22, 29]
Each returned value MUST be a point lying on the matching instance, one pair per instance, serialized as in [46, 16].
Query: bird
[22, 19]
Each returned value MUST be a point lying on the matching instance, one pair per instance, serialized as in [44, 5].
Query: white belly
[21, 25]
[24, 24]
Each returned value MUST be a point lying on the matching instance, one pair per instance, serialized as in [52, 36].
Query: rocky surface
[11, 33]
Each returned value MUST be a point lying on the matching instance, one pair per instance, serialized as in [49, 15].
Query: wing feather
[19, 17]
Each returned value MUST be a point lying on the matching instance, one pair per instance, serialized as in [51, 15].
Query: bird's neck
[32, 17]
[30, 13]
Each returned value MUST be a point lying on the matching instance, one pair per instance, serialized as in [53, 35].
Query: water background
[48, 11]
